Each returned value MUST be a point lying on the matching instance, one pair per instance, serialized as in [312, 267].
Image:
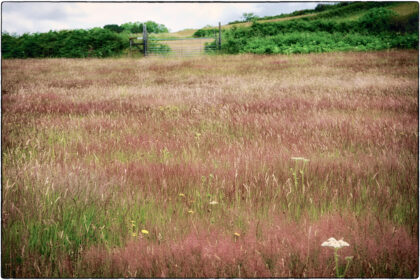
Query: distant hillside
[357, 26]
[339, 12]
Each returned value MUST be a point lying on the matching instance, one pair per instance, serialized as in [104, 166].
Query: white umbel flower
[337, 244]
[300, 158]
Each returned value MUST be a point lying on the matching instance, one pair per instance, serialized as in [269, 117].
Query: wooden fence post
[144, 39]
[220, 36]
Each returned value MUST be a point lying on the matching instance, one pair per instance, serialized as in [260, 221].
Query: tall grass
[195, 150]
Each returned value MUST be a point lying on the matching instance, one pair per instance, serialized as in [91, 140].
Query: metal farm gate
[150, 46]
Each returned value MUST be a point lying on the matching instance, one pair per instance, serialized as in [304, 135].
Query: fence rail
[179, 39]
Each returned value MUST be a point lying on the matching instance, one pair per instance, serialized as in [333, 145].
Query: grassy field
[222, 166]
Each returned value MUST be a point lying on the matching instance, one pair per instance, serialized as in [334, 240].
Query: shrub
[114, 27]
[96, 42]
[206, 32]
[405, 24]
[379, 28]
[306, 42]
[377, 20]
[346, 9]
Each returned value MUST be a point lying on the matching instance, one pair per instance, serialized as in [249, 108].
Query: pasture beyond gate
[151, 46]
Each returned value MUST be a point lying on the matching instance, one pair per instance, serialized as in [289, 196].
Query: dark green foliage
[211, 47]
[329, 10]
[349, 8]
[378, 29]
[114, 27]
[377, 20]
[96, 42]
[153, 27]
[324, 7]
[308, 42]
[10, 46]
[249, 16]
[295, 13]
[155, 47]
[137, 27]
[407, 24]
[206, 32]
[132, 27]
[302, 12]
[384, 20]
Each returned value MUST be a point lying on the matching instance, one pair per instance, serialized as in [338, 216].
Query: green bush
[324, 7]
[96, 42]
[377, 20]
[114, 28]
[378, 29]
[157, 48]
[206, 32]
[10, 47]
[405, 24]
[351, 8]
[308, 42]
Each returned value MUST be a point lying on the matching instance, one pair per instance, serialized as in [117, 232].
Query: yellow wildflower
[236, 234]
[144, 231]
[181, 195]
[191, 211]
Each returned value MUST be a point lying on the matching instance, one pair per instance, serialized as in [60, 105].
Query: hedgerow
[96, 42]
[308, 42]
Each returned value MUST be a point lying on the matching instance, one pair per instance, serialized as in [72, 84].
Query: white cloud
[23, 17]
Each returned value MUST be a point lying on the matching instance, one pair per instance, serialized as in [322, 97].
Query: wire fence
[176, 46]
[181, 46]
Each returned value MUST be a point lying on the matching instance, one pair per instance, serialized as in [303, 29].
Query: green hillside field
[358, 26]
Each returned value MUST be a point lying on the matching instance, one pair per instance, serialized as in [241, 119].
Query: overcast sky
[31, 17]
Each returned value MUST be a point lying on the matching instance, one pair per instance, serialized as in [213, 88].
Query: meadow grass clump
[229, 166]
[281, 249]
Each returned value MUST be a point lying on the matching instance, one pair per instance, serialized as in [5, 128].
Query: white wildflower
[213, 202]
[332, 242]
[337, 245]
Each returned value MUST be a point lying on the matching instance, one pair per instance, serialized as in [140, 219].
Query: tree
[114, 28]
[132, 27]
[137, 27]
[249, 16]
[153, 27]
